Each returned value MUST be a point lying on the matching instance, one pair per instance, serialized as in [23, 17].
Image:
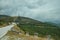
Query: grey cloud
[44, 10]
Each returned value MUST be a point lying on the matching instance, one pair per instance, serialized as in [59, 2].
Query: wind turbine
[17, 14]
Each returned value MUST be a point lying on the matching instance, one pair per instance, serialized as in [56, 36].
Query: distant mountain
[1, 16]
[32, 26]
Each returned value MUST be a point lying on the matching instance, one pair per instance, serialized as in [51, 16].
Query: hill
[33, 27]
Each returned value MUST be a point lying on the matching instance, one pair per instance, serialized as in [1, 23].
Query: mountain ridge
[32, 26]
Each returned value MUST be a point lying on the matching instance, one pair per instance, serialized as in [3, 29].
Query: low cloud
[43, 10]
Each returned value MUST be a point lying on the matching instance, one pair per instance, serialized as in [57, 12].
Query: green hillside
[32, 26]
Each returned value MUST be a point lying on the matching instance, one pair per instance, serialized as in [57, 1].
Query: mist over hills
[23, 19]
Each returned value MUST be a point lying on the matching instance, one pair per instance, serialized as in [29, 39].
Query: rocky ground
[17, 34]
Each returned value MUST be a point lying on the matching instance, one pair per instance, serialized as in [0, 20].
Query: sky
[42, 10]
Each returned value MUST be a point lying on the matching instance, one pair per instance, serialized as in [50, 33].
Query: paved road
[4, 30]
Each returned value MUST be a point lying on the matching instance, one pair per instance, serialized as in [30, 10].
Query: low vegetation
[33, 26]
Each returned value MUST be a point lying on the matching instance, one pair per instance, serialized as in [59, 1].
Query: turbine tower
[17, 14]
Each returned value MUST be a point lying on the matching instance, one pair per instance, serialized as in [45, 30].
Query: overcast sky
[43, 10]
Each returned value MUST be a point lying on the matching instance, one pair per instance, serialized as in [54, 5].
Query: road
[4, 30]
